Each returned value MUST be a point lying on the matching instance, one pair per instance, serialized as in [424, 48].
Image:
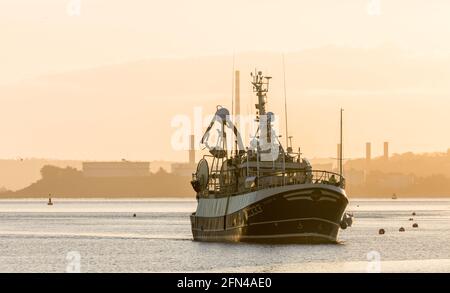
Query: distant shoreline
[156, 198]
[97, 197]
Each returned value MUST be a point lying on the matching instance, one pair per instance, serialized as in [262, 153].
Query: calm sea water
[97, 235]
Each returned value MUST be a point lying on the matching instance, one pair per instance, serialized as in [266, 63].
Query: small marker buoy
[411, 219]
[401, 229]
[415, 225]
[134, 215]
[414, 213]
[381, 231]
[49, 203]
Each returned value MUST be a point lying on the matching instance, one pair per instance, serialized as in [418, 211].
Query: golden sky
[41, 36]
[392, 75]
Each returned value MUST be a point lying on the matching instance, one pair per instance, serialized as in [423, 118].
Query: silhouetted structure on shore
[405, 174]
[70, 182]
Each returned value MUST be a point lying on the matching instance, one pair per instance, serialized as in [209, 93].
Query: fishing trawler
[264, 193]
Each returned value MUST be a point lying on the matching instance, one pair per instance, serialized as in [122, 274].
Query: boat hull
[298, 214]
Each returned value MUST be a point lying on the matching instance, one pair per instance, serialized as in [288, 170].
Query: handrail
[274, 179]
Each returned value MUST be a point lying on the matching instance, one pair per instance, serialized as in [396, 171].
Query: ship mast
[232, 103]
[340, 149]
[261, 87]
[285, 106]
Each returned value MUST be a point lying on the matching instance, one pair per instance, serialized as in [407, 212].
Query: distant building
[368, 152]
[386, 150]
[183, 169]
[391, 181]
[116, 169]
[186, 169]
[355, 177]
[396, 181]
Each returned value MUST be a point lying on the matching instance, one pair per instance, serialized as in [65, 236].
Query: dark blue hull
[296, 216]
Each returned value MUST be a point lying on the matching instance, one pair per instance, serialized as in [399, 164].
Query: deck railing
[225, 183]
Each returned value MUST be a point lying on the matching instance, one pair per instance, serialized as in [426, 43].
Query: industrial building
[386, 150]
[186, 169]
[369, 151]
[116, 169]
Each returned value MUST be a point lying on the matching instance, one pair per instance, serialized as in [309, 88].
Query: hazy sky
[42, 36]
[49, 36]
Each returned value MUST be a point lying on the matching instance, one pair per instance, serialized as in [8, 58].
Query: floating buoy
[49, 203]
[414, 213]
[415, 225]
[411, 219]
[381, 231]
[134, 215]
[401, 229]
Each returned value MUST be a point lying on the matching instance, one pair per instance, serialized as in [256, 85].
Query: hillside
[407, 175]
[70, 182]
